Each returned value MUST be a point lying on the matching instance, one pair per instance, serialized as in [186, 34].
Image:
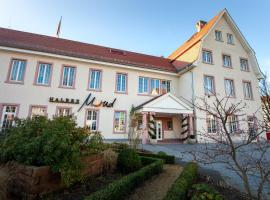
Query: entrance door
[159, 129]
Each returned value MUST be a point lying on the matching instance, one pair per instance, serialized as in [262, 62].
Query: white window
[68, 79]
[247, 90]
[218, 35]
[119, 121]
[227, 62]
[252, 125]
[92, 119]
[63, 111]
[38, 111]
[233, 124]
[8, 116]
[95, 80]
[44, 74]
[155, 86]
[229, 88]
[207, 56]
[211, 123]
[244, 64]
[230, 38]
[17, 70]
[143, 85]
[209, 86]
[165, 86]
[121, 83]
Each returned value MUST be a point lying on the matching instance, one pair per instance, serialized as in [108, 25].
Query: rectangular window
[38, 111]
[230, 38]
[119, 121]
[92, 119]
[143, 85]
[209, 86]
[233, 124]
[61, 111]
[95, 79]
[229, 88]
[155, 86]
[211, 123]
[68, 76]
[8, 115]
[17, 71]
[227, 62]
[218, 35]
[170, 124]
[165, 86]
[207, 57]
[252, 125]
[44, 74]
[121, 83]
[244, 64]
[247, 90]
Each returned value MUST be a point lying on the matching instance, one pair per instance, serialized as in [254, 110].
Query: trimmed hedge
[183, 183]
[168, 159]
[121, 188]
[128, 161]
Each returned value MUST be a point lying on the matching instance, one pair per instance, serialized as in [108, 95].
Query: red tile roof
[42, 43]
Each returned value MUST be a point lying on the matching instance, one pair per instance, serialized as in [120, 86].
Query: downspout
[193, 103]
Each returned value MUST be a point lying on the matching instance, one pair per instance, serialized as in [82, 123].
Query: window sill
[14, 82]
[42, 85]
[227, 67]
[231, 43]
[208, 63]
[94, 90]
[64, 87]
[120, 92]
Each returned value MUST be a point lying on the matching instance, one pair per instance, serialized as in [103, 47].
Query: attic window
[118, 52]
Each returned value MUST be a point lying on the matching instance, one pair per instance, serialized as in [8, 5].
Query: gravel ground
[157, 187]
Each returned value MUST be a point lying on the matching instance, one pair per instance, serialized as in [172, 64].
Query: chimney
[200, 24]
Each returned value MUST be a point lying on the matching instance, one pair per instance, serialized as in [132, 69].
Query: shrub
[161, 153]
[40, 141]
[183, 183]
[120, 189]
[128, 161]
[167, 158]
[204, 192]
[109, 160]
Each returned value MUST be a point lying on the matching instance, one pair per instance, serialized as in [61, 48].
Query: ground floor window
[233, 124]
[91, 119]
[170, 124]
[63, 111]
[211, 123]
[252, 126]
[119, 121]
[8, 115]
[38, 111]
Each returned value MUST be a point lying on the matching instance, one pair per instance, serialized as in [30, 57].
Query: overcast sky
[148, 26]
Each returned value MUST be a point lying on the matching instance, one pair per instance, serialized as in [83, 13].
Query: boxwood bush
[128, 161]
[121, 188]
[167, 158]
[183, 183]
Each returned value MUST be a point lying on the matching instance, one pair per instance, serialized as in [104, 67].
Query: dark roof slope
[54, 45]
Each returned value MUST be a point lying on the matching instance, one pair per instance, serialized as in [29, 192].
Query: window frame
[2, 106]
[159, 86]
[62, 77]
[116, 83]
[207, 124]
[37, 106]
[8, 79]
[166, 84]
[211, 56]
[221, 36]
[214, 85]
[63, 107]
[233, 85]
[37, 74]
[97, 118]
[148, 86]
[223, 59]
[125, 122]
[230, 123]
[90, 79]
[232, 41]
[251, 90]
[247, 70]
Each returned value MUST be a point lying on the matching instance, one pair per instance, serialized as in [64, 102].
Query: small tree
[133, 132]
[265, 93]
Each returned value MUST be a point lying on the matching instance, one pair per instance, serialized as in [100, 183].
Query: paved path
[156, 188]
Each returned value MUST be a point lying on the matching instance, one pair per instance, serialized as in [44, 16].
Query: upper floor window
[44, 74]
[227, 61]
[143, 85]
[155, 86]
[63, 111]
[92, 119]
[229, 88]
[230, 38]
[165, 86]
[244, 64]
[247, 90]
[17, 71]
[207, 56]
[95, 79]
[119, 121]
[233, 124]
[218, 35]
[209, 86]
[121, 83]
[211, 123]
[68, 76]
[38, 111]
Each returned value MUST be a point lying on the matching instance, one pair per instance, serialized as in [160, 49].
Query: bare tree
[243, 151]
[265, 93]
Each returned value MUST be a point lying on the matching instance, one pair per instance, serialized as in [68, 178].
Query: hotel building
[42, 75]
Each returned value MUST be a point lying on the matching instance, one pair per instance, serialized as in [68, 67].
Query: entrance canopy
[166, 103]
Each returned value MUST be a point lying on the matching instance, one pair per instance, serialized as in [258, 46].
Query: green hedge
[121, 188]
[167, 158]
[204, 191]
[183, 183]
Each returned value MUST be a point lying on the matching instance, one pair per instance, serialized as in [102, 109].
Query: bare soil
[156, 188]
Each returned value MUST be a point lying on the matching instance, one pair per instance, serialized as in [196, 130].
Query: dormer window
[218, 36]
[230, 38]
